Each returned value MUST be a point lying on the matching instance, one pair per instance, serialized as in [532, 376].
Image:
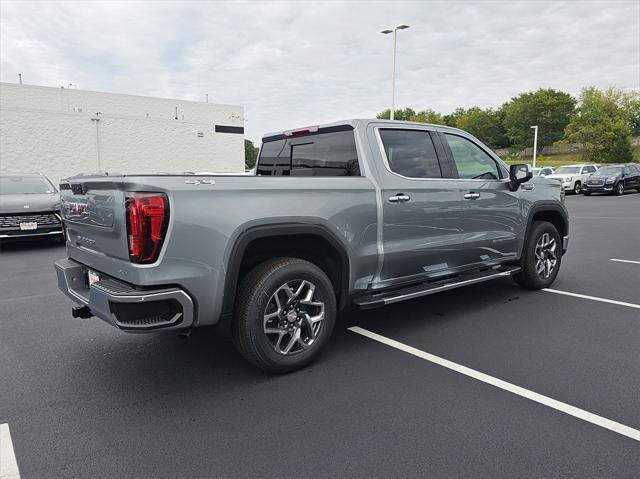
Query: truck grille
[43, 219]
[595, 182]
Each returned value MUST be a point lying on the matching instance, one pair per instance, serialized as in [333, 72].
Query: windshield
[567, 170]
[25, 185]
[609, 170]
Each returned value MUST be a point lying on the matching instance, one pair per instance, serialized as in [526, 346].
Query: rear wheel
[541, 257]
[285, 313]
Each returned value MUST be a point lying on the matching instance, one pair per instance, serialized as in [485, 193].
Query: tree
[404, 114]
[250, 154]
[602, 124]
[429, 116]
[550, 109]
[486, 125]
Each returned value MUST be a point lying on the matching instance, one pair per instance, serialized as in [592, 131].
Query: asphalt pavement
[82, 399]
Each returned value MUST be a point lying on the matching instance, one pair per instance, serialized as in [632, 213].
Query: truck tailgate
[94, 216]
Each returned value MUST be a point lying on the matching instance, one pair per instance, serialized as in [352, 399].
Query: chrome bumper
[122, 305]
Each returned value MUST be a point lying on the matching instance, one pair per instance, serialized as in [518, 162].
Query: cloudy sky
[299, 63]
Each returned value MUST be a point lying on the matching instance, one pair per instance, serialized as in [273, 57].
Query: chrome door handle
[399, 198]
[472, 196]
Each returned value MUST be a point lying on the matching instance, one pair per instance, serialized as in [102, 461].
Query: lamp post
[535, 143]
[393, 67]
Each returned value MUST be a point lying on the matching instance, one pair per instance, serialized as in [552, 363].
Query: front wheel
[284, 315]
[541, 257]
[586, 193]
[620, 189]
[577, 189]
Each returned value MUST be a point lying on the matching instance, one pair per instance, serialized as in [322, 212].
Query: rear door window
[410, 153]
[322, 154]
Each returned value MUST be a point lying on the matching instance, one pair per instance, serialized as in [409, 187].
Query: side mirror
[518, 174]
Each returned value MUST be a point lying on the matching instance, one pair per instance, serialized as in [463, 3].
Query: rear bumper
[122, 305]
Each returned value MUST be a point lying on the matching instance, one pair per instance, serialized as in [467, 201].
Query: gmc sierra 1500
[362, 212]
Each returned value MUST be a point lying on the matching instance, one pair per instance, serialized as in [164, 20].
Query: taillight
[147, 220]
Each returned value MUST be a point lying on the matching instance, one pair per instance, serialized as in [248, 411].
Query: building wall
[62, 132]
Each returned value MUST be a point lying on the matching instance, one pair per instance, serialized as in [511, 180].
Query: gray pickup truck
[359, 212]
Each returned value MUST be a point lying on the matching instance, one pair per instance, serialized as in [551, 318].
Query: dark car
[613, 179]
[29, 207]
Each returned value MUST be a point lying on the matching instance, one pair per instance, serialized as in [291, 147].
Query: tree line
[602, 121]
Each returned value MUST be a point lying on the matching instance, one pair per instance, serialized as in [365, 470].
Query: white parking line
[593, 298]
[512, 388]
[8, 464]
[624, 261]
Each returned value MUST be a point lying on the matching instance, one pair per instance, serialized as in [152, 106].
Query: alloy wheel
[293, 317]
[546, 258]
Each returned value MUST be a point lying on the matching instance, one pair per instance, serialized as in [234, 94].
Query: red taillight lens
[147, 220]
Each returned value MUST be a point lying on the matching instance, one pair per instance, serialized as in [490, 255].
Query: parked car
[573, 177]
[362, 212]
[543, 171]
[614, 179]
[29, 207]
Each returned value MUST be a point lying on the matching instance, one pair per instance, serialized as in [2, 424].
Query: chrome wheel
[546, 258]
[293, 317]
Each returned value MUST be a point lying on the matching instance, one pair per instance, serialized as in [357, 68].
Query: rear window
[321, 154]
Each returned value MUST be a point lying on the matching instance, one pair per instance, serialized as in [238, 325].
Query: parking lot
[487, 381]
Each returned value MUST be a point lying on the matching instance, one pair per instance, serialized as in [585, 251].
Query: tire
[577, 188]
[530, 277]
[267, 290]
[586, 193]
[619, 191]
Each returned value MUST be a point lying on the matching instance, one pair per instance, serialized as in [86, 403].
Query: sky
[298, 63]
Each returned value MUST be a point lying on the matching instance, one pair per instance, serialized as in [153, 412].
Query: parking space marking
[512, 388]
[8, 463]
[624, 261]
[593, 298]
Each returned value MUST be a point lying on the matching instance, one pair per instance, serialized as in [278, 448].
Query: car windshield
[25, 185]
[567, 170]
[609, 170]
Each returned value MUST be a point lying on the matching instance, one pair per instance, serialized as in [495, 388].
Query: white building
[61, 132]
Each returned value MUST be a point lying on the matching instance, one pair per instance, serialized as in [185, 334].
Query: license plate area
[28, 226]
[92, 277]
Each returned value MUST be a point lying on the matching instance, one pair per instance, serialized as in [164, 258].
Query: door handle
[399, 198]
[472, 196]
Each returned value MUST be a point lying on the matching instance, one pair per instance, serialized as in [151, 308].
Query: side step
[382, 298]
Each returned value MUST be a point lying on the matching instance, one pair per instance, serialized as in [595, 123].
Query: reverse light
[147, 220]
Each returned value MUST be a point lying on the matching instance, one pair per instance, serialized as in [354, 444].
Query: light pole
[393, 67]
[535, 143]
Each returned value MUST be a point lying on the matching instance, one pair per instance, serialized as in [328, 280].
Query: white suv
[573, 177]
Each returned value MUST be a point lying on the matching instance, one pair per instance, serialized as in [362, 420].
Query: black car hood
[29, 203]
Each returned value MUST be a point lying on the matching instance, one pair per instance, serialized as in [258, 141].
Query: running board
[382, 298]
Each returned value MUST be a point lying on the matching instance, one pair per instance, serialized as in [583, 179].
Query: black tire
[577, 188]
[586, 193]
[619, 190]
[256, 294]
[529, 277]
